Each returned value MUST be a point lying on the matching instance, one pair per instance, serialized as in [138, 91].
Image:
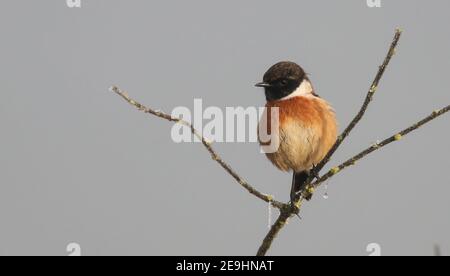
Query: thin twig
[368, 99]
[206, 144]
[306, 187]
[396, 137]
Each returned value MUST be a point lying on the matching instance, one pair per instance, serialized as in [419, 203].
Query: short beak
[263, 84]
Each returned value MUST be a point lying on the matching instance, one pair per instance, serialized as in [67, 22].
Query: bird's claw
[314, 173]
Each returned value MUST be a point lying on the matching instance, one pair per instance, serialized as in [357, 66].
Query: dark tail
[298, 181]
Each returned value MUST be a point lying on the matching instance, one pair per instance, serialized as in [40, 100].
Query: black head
[281, 80]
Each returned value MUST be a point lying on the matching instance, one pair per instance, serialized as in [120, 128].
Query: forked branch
[287, 210]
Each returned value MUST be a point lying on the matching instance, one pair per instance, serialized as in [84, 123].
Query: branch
[396, 137]
[287, 210]
[281, 221]
[206, 144]
[367, 101]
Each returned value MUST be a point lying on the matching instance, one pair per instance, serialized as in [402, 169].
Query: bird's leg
[301, 183]
[313, 172]
[293, 189]
[298, 183]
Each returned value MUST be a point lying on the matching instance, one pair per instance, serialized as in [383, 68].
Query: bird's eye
[284, 82]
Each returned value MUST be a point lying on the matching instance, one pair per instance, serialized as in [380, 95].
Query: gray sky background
[77, 164]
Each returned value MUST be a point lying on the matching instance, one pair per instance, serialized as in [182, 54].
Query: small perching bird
[307, 127]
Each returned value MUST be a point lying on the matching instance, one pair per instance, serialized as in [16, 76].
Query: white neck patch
[305, 89]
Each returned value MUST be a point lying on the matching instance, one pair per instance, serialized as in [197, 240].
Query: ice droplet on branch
[269, 215]
[325, 194]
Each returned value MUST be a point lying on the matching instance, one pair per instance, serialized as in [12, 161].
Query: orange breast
[307, 130]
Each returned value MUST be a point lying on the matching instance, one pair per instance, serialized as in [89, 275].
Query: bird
[307, 125]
